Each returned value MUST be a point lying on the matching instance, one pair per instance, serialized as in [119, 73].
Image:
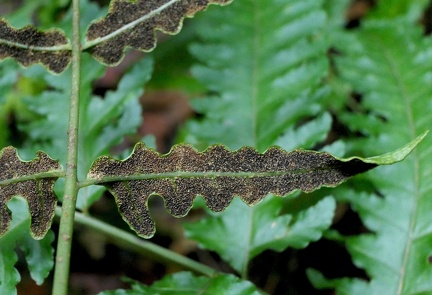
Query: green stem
[131, 242]
[61, 274]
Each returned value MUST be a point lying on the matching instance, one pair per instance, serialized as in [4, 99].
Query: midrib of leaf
[36, 48]
[409, 114]
[396, 72]
[38, 176]
[128, 26]
[184, 174]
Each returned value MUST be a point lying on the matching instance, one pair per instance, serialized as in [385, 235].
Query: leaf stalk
[131, 242]
[61, 274]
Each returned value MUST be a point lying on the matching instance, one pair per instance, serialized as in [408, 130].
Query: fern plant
[280, 72]
[394, 81]
[270, 87]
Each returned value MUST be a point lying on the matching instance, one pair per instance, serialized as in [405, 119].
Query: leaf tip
[399, 154]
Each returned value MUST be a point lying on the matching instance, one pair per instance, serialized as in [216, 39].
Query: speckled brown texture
[142, 35]
[55, 61]
[38, 193]
[296, 170]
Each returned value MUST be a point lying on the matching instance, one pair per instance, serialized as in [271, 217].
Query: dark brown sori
[29, 46]
[216, 174]
[38, 191]
[142, 17]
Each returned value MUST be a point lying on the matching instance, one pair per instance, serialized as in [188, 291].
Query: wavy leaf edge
[35, 185]
[133, 24]
[29, 45]
[184, 173]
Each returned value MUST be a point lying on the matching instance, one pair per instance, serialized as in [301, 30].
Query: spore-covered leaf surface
[133, 24]
[34, 180]
[29, 46]
[218, 175]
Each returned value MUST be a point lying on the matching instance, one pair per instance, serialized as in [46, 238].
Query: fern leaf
[39, 254]
[394, 79]
[264, 66]
[29, 46]
[264, 80]
[33, 180]
[410, 10]
[185, 283]
[269, 229]
[133, 24]
[218, 175]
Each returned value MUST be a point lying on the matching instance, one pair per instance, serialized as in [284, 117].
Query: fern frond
[264, 63]
[394, 77]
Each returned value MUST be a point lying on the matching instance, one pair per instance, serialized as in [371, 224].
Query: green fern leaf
[38, 253]
[185, 283]
[264, 66]
[269, 229]
[411, 10]
[133, 24]
[390, 63]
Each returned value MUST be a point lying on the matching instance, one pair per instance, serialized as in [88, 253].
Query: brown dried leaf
[34, 180]
[218, 175]
[133, 24]
[29, 46]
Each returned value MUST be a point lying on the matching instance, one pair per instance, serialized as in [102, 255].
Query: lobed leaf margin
[179, 188]
[29, 46]
[133, 24]
[32, 180]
